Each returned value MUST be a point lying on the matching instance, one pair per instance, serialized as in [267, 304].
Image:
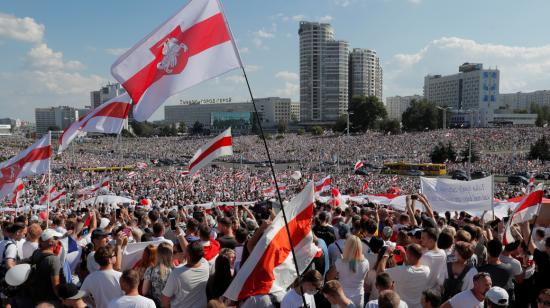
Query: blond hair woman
[351, 270]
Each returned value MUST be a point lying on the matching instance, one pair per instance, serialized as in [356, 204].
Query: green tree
[451, 153]
[438, 154]
[282, 127]
[341, 124]
[391, 126]
[465, 153]
[182, 128]
[126, 133]
[301, 131]
[419, 116]
[540, 150]
[367, 111]
[197, 128]
[317, 130]
[142, 129]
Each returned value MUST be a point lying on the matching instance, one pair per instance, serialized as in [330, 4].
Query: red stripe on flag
[224, 142]
[261, 278]
[199, 37]
[534, 198]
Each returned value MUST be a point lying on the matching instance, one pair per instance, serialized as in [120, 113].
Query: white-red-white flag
[525, 211]
[107, 118]
[44, 198]
[220, 146]
[192, 46]
[358, 165]
[19, 188]
[270, 267]
[57, 196]
[32, 161]
[131, 174]
[323, 185]
[141, 165]
[104, 183]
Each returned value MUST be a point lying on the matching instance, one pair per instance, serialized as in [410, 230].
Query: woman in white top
[351, 270]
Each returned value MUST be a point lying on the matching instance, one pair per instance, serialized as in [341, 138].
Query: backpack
[5, 288]
[33, 278]
[452, 285]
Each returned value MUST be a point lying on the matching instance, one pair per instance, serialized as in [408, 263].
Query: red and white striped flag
[525, 211]
[57, 196]
[337, 199]
[107, 118]
[32, 161]
[141, 165]
[192, 46]
[358, 165]
[220, 146]
[19, 188]
[44, 198]
[157, 181]
[95, 187]
[132, 174]
[270, 267]
[323, 185]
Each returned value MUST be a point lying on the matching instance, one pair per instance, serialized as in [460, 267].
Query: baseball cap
[70, 291]
[99, 233]
[497, 296]
[49, 234]
[399, 257]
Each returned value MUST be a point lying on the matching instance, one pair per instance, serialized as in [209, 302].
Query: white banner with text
[454, 195]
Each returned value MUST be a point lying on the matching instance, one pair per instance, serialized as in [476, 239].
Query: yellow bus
[405, 168]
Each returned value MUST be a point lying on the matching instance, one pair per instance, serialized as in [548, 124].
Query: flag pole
[49, 185]
[256, 115]
[493, 195]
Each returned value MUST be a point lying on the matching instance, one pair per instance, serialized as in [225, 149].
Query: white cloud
[298, 17]
[263, 34]
[342, 3]
[44, 58]
[251, 68]
[116, 51]
[326, 18]
[415, 1]
[287, 76]
[22, 29]
[521, 68]
[235, 79]
[290, 90]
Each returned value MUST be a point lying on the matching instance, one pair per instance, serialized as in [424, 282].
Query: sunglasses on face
[543, 302]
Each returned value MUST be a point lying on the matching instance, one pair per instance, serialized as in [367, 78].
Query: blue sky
[56, 52]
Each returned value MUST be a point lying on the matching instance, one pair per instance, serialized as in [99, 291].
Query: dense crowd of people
[370, 255]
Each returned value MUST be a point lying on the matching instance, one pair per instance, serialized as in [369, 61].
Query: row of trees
[443, 153]
[368, 113]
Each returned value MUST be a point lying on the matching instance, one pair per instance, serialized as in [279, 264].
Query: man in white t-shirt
[9, 254]
[507, 256]
[471, 298]
[186, 285]
[411, 278]
[129, 282]
[433, 257]
[103, 285]
[99, 239]
[31, 243]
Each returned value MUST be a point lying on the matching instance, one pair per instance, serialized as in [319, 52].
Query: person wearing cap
[103, 285]
[71, 296]
[129, 282]
[497, 297]
[49, 270]
[336, 249]
[474, 297]
[411, 278]
[99, 239]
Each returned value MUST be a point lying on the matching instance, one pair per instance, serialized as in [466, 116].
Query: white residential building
[365, 76]
[396, 105]
[523, 101]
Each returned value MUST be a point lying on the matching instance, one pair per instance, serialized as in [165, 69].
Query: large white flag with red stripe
[358, 165]
[107, 118]
[104, 183]
[192, 46]
[525, 211]
[33, 160]
[270, 267]
[57, 196]
[44, 198]
[19, 188]
[220, 146]
[323, 185]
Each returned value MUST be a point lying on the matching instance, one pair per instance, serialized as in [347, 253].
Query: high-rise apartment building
[473, 90]
[365, 73]
[396, 105]
[323, 73]
[523, 101]
[59, 117]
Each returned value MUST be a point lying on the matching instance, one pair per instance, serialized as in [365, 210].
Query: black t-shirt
[326, 233]
[227, 241]
[501, 275]
[48, 265]
[542, 261]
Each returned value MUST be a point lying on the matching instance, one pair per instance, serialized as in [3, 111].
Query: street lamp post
[444, 109]
[348, 113]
